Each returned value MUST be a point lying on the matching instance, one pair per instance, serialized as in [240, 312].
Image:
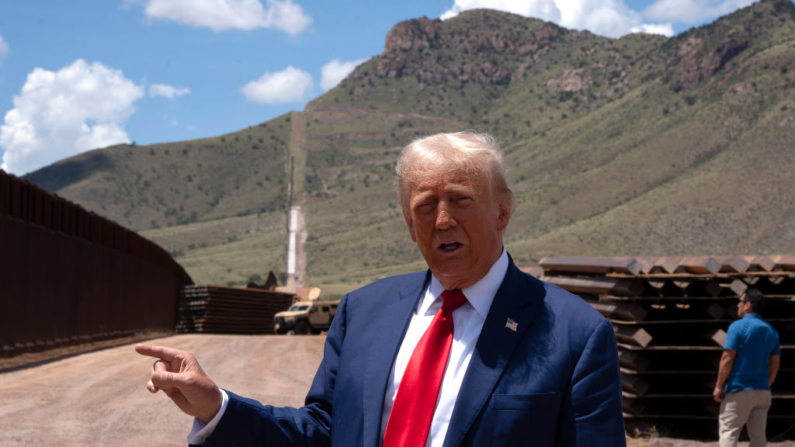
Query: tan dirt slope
[99, 398]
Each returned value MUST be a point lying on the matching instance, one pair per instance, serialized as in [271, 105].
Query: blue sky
[79, 75]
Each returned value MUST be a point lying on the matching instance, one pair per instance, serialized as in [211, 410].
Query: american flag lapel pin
[512, 325]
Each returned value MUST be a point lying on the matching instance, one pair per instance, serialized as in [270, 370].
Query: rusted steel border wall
[68, 275]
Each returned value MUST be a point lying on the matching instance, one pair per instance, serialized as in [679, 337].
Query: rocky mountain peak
[480, 45]
[412, 35]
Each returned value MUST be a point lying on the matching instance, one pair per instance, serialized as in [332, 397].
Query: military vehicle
[307, 314]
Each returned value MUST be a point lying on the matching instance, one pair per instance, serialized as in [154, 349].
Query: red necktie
[410, 420]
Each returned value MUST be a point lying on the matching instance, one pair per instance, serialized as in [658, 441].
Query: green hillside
[639, 145]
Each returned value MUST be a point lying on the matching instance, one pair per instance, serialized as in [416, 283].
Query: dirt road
[99, 398]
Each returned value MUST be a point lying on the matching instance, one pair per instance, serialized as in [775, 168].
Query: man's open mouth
[449, 247]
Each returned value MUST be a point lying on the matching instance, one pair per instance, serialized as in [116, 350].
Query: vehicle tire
[316, 331]
[302, 327]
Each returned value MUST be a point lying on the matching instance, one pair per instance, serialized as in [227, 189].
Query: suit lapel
[390, 325]
[493, 350]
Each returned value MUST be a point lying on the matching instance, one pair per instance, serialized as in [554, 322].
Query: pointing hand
[179, 375]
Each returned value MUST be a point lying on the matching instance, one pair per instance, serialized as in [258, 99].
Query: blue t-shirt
[755, 341]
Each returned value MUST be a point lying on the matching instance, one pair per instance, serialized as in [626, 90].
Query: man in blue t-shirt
[748, 367]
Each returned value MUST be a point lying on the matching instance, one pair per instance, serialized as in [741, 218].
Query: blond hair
[474, 154]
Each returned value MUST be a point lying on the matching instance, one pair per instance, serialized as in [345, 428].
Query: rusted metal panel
[119, 267]
[17, 295]
[57, 213]
[16, 198]
[634, 384]
[698, 287]
[166, 300]
[732, 264]
[633, 335]
[597, 285]
[30, 202]
[230, 310]
[759, 263]
[85, 260]
[67, 275]
[717, 336]
[71, 220]
[132, 303]
[666, 264]
[69, 294]
[634, 360]
[677, 323]
[100, 300]
[96, 228]
[47, 211]
[6, 302]
[37, 196]
[647, 263]
[699, 264]
[591, 264]
[626, 311]
[5, 194]
[41, 312]
[784, 263]
[738, 286]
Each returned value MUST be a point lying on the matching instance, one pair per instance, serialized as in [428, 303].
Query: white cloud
[692, 11]
[540, 9]
[3, 48]
[666, 29]
[335, 71]
[222, 15]
[611, 18]
[288, 85]
[61, 113]
[167, 91]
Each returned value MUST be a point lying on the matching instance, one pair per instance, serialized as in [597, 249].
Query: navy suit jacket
[553, 382]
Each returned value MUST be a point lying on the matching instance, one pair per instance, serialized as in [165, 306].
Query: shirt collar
[480, 295]
[749, 316]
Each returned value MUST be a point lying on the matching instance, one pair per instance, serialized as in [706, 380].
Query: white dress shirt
[468, 322]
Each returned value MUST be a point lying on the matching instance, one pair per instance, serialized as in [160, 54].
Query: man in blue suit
[470, 352]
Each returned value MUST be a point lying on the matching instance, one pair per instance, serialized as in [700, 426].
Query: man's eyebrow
[421, 195]
[462, 190]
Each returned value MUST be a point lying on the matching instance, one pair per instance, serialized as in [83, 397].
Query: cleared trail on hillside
[380, 112]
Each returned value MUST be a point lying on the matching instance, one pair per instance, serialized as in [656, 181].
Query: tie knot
[453, 299]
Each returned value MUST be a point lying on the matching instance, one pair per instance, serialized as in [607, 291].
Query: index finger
[159, 352]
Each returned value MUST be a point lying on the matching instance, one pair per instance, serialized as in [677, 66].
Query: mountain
[638, 145]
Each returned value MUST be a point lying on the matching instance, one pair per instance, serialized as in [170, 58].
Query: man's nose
[444, 216]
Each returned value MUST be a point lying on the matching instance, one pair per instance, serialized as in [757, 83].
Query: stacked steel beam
[227, 310]
[670, 316]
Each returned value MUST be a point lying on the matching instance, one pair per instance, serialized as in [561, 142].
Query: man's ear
[505, 209]
[410, 224]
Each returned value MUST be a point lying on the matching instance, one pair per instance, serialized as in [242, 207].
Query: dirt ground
[99, 398]
[668, 442]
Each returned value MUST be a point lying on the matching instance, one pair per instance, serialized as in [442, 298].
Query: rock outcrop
[436, 51]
